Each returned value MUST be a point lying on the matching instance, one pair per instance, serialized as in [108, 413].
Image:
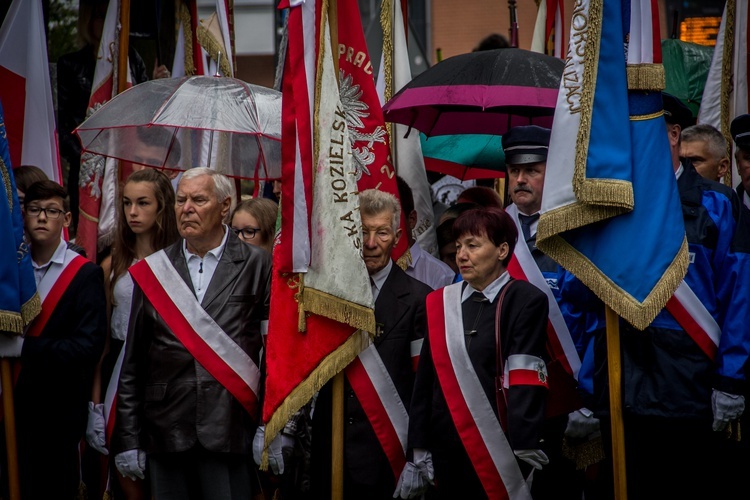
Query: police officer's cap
[675, 112]
[526, 144]
[740, 130]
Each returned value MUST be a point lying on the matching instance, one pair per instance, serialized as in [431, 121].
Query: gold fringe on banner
[405, 260]
[584, 453]
[214, 49]
[604, 192]
[640, 315]
[646, 76]
[727, 82]
[301, 395]
[386, 23]
[187, 30]
[7, 184]
[337, 309]
[31, 309]
[11, 322]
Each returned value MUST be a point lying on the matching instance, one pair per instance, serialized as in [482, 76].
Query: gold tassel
[386, 23]
[11, 322]
[338, 309]
[187, 30]
[82, 491]
[107, 495]
[214, 49]
[31, 309]
[404, 261]
[584, 453]
[646, 77]
[303, 393]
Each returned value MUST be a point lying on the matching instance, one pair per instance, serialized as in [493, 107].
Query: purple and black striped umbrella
[484, 92]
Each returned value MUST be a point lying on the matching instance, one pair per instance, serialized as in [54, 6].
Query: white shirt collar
[216, 252]
[490, 290]
[416, 253]
[57, 258]
[379, 277]
[679, 171]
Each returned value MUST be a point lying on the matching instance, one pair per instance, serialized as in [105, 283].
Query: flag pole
[614, 364]
[11, 447]
[122, 60]
[337, 399]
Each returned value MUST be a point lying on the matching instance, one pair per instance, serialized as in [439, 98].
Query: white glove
[535, 458]
[96, 427]
[416, 477]
[131, 464]
[581, 424]
[275, 458]
[726, 407]
[10, 346]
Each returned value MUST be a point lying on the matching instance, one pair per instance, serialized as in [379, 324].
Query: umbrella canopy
[464, 156]
[484, 92]
[201, 121]
[686, 68]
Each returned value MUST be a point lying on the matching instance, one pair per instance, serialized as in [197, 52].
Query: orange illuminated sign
[700, 30]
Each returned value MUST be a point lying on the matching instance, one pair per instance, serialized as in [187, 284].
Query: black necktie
[526, 222]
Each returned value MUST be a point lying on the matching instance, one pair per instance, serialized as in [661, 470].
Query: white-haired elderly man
[188, 399]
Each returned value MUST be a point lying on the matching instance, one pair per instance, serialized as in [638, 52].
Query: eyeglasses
[246, 232]
[50, 213]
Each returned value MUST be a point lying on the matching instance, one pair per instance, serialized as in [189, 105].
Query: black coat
[400, 314]
[167, 401]
[523, 326]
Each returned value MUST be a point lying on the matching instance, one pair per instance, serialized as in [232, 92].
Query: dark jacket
[400, 314]
[167, 401]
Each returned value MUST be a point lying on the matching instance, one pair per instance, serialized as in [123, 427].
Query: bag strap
[500, 398]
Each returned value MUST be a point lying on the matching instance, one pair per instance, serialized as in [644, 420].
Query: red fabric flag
[26, 92]
[370, 144]
[98, 179]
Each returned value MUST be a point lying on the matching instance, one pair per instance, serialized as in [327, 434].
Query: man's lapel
[226, 271]
[390, 308]
[176, 256]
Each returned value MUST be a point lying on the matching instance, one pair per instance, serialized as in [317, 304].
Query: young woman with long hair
[146, 223]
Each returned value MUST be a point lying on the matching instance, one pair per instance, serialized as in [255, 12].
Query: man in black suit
[372, 461]
[188, 397]
[58, 352]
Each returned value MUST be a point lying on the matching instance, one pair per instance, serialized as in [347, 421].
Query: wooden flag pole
[122, 59]
[11, 447]
[337, 400]
[614, 364]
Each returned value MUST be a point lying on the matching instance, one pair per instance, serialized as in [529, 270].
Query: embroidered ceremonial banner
[394, 73]
[478, 427]
[26, 91]
[548, 29]
[19, 301]
[370, 145]
[610, 196]
[97, 184]
[725, 95]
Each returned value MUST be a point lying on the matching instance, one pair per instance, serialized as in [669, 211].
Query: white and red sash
[522, 266]
[377, 394]
[478, 427]
[178, 307]
[52, 287]
[695, 319]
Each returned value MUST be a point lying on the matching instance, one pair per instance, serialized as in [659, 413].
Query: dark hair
[44, 190]
[26, 175]
[490, 221]
[265, 212]
[405, 196]
[164, 138]
[455, 210]
[481, 195]
[493, 41]
[165, 230]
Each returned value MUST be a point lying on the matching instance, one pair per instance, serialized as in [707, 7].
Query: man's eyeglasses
[50, 213]
[246, 232]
